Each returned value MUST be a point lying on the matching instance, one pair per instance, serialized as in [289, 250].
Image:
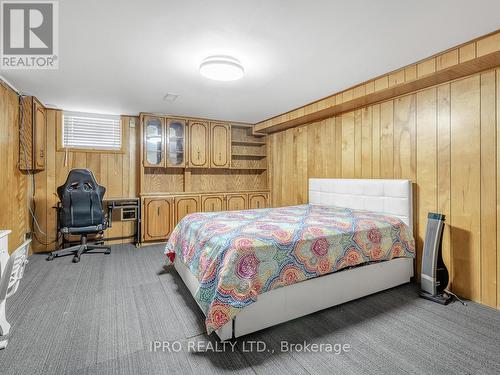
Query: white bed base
[391, 197]
[296, 300]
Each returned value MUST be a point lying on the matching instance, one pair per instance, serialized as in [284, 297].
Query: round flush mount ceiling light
[222, 68]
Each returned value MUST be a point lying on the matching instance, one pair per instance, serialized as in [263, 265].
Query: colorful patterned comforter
[238, 255]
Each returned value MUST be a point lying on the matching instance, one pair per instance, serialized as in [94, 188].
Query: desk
[130, 211]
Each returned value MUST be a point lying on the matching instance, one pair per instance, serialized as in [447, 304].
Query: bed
[249, 270]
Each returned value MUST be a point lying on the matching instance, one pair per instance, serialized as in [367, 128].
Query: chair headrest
[80, 179]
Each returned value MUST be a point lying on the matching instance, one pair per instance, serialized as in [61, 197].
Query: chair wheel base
[107, 251]
[50, 257]
[76, 259]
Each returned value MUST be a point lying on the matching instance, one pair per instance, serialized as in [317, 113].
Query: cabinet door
[176, 143]
[198, 144]
[158, 218]
[186, 205]
[236, 202]
[212, 203]
[220, 140]
[257, 200]
[154, 141]
[39, 134]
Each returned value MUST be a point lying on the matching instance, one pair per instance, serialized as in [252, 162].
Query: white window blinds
[91, 131]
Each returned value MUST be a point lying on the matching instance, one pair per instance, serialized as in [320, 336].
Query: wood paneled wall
[445, 139]
[116, 171]
[14, 196]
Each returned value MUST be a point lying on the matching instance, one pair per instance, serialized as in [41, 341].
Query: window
[91, 131]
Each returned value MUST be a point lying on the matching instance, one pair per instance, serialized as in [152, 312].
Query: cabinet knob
[220, 156]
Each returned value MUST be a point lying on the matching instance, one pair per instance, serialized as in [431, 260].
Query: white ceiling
[122, 57]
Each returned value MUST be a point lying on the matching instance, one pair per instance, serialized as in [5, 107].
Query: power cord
[456, 297]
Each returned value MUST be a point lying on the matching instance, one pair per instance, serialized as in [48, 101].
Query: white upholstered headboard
[391, 197]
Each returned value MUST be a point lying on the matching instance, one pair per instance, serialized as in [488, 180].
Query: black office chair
[81, 212]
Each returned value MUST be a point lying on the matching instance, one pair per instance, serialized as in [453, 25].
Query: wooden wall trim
[464, 60]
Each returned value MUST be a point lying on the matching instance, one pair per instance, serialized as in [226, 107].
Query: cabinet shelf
[259, 135]
[256, 156]
[248, 143]
[242, 126]
[249, 129]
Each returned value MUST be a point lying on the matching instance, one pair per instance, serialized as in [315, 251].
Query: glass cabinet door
[154, 141]
[176, 143]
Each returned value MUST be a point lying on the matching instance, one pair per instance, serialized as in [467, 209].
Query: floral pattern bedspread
[238, 255]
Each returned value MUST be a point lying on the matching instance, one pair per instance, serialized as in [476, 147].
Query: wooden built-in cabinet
[176, 143]
[220, 141]
[188, 143]
[39, 135]
[236, 202]
[199, 136]
[248, 149]
[32, 134]
[154, 141]
[159, 215]
[185, 205]
[257, 200]
[173, 208]
[197, 165]
[212, 203]
[164, 142]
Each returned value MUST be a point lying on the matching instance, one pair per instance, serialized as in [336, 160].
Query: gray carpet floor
[101, 316]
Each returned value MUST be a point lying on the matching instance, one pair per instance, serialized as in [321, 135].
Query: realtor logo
[30, 35]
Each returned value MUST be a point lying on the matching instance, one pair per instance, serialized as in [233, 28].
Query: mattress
[238, 255]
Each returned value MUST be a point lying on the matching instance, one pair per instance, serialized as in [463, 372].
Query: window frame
[60, 141]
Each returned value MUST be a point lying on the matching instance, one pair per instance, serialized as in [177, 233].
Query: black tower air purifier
[434, 275]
